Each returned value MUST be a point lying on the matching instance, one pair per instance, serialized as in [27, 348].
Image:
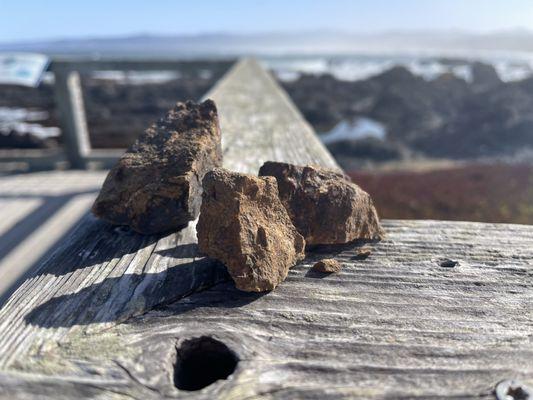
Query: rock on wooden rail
[156, 185]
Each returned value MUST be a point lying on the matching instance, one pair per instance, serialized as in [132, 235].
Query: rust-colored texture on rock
[244, 225]
[324, 205]
[156, 185]
[327, 266]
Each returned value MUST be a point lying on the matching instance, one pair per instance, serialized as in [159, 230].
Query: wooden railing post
[69, 99]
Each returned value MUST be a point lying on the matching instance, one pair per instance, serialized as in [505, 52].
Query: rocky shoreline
[447, 117]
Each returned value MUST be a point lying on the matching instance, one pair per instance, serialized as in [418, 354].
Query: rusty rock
[244, 225]
[324, 205]
[363, 253]
[327, 266]
[156, 185]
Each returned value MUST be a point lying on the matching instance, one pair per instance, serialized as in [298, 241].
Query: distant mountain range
[323, 42]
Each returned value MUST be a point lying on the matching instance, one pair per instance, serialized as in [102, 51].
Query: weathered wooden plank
[13, 210]
[260, 123]
[30, 159]
[38, 243]
[185, 66]
[109, 313]
[37, 211]
[141, 272]
[396, 325]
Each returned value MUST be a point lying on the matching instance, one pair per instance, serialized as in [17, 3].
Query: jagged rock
[324, 205]
[327, 266]
[363, 253]
[156, 185]
[484, 76]
[244, 225]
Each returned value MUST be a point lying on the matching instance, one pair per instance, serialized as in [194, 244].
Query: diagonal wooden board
[37, 210]
[117, 273]
[102, 318]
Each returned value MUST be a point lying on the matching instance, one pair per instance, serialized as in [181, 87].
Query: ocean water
[359, 128]
[357, 67]
[347, 67]
[24, 121]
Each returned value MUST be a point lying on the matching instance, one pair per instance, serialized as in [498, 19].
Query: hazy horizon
[36, 20]
[384, 32]
[515, 43]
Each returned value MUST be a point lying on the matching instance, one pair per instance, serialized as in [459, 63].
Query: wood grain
[104, 316]
[116, 273]
[260, 123]
[396, 324]
[37, 211]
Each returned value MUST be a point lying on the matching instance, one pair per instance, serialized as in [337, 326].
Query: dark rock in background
[16, 140]
[484, 76]
[445, 118]
[370, 148]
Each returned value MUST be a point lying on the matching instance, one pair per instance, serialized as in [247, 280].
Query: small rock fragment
[324, 205]
[327, 266]
[244, 225]
[156, 185]
[363, 253]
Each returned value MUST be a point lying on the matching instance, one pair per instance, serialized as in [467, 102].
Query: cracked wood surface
[103, 316]
[395, 325]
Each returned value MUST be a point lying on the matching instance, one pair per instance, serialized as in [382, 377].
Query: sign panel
[22, 68]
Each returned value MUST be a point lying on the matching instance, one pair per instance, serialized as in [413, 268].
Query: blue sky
[53, 19]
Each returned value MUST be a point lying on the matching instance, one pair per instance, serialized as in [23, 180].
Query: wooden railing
[77, 151]
[438, 310]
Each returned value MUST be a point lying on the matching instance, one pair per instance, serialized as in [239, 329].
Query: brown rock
[156, 185]
[363, 253]
[324, 205]
[327, 266]
[244, 225]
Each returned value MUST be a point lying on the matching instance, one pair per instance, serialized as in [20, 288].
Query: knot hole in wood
[201, 362]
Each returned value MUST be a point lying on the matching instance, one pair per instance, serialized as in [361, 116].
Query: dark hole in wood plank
[512, 390]
[447, 263]
[518, 393]
[201, 362]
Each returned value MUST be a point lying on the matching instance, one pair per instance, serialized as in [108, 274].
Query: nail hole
[201, 362]
[447, 263]
[512, 390]
[517, 393]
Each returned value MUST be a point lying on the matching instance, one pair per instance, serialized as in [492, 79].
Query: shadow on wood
[13, 239]
[117, 293]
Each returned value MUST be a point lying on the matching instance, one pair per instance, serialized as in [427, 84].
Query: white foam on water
[137, 77]
[37, 130]
[353, 68]
[13, 114]
[359, 128]
[22, 121]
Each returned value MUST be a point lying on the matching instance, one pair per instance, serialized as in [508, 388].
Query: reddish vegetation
[488, 193]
